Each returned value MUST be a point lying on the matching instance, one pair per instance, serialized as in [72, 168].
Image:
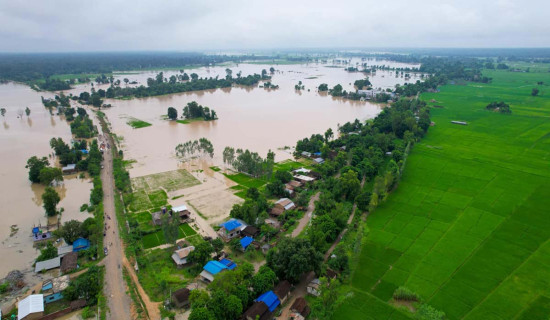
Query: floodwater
[21, 201]
[249, 118]
[257, 119]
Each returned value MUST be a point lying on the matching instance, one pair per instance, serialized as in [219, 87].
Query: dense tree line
[249, 162]
[195, 148]
[30, 67]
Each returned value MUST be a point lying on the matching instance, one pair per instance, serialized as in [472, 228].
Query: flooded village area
[254, 118]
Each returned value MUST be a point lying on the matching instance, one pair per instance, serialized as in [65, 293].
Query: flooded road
[21, 201]
[257, 119]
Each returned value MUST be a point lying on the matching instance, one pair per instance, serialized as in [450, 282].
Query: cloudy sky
[112, 25]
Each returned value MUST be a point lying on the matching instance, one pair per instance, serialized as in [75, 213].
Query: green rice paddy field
[468, 227]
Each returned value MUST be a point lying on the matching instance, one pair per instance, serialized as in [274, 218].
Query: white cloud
[103, 25]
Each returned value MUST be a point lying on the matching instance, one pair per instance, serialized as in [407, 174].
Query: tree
[170, 228]
[350, 184]
[217, 245]
[199, 298]
[272, 70]
[86, 286]
[172, 113]
[35, 165]
[28, 111]
[51, 199]
[126, 81]
[225, 307]
[293, 257]
[323, 307]
[71, 231]
[48, 175]
[535, 92]
[200, 313]
[201, 254]
[3, 112]
[323, 87]
[47, 253]
[328, 134]
[264, 280]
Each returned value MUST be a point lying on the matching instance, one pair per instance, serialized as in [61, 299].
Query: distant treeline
[35, 66]
[160, 85]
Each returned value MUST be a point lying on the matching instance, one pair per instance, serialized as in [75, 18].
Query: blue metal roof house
[212, 268]
[245, 242]
[230, 229]
[80, 244]
[228, 263]
[270, 299]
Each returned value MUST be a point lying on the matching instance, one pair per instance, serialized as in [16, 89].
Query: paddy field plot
[468, 227]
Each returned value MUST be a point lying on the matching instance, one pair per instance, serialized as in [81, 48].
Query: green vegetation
[137, 124]
[51, 199]
[156, 239]
[193, 110]
[466, 229]
[169, 180]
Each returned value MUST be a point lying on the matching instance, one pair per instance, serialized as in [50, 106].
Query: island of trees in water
[193, 111]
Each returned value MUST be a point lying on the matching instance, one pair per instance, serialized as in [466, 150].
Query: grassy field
[468, 227]
[169, 180]
[136, 123]
[156, 239]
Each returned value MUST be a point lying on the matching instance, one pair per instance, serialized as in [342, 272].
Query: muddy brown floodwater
[250, 118]
[20, 201]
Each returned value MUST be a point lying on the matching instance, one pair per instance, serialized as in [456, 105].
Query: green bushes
[405, 294]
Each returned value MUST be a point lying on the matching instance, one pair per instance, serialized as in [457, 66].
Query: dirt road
[307, 216]
[115, 288]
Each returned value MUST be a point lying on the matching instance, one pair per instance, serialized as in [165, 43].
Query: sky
[190, 25]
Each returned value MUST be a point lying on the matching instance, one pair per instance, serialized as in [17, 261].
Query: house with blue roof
[270, 299]
[228, 263]
[211, 269]
[245, 242]
[80, 244]
[230, 229]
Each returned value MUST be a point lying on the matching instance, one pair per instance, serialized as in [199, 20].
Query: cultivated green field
[468, 227]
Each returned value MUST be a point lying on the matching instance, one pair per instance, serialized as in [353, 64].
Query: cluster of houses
[66, 258]
[33, 306]
[315, 156]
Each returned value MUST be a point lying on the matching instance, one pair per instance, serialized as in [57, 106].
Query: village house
[180, 256]
[30, 308]
[301, 171]
[180, 298]
[282, 290]
[282, 205]
[258, 311]
[304, 179]
[250, 231]
[68, 169]
[69, 262]
[245, 242]
[81, 244]
[314, 287]
[300, 307]
[52, 290]
[47, 264]
[319, 160]
[62, 251]
[270, 299]
[230, 229]
[211, 269]
[182, 212]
